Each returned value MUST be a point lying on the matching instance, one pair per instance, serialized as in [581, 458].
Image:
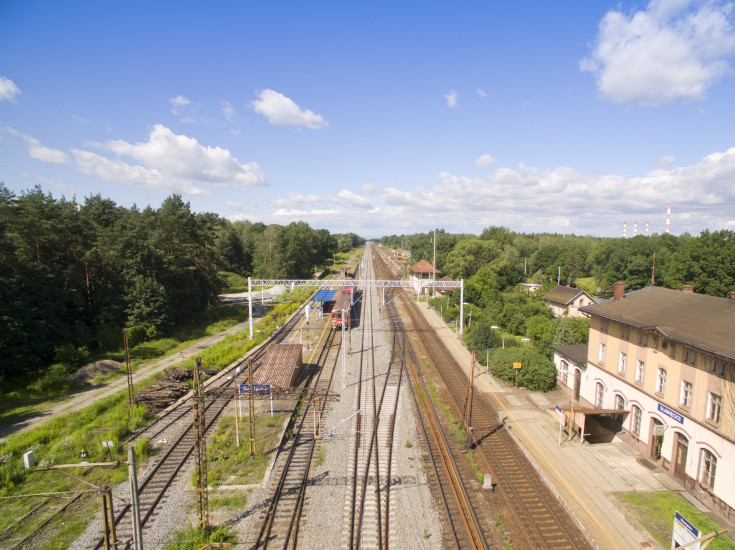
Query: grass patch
[321, 455]
[228, 500]
[62, 438]
[228, 464]
[194, 538]
[655, 511]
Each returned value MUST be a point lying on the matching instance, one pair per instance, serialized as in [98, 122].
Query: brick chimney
[732, 294]
[619, 292]
[687, 288]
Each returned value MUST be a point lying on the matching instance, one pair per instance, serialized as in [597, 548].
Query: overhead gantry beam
[416, 284]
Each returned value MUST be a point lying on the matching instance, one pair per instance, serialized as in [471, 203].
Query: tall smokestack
[668, 218]
[635, 229]
[625, 230]
[646, 228]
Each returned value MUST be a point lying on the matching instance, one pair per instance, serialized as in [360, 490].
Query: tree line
[75, 274]
[499, 319]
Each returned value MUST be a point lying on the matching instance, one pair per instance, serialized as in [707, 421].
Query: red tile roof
[424, 267]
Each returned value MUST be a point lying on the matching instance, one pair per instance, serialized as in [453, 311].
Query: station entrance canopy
[417, 285]
[324, 296]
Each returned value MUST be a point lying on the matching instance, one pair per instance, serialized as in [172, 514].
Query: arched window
[563, 372]
[599, 395]
[620, 402]
[707, 468]
[635, 420]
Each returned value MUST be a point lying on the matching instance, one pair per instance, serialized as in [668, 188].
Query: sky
[379, 118]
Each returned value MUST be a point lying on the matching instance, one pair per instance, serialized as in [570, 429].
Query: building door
[680, 459]
[577, 383]
[657, 438]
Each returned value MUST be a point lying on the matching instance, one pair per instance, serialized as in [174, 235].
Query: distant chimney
[619, 291]
[732, 294]
[687, 288]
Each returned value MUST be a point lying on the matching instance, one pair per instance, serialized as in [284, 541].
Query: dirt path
[88, 395]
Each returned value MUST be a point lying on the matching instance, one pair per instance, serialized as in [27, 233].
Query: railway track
[280, 521]
[538, 519]
[163, 473]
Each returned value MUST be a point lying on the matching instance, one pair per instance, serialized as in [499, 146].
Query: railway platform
[584, 476]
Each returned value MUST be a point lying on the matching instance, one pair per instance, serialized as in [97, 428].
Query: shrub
[536, 373]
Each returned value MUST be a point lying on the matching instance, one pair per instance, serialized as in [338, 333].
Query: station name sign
[257, 388]
[671, 414]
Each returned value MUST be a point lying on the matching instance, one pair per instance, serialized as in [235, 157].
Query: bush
[537, 373]
[70, 356]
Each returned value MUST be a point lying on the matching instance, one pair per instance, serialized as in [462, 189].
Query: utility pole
[200, 447]
[134, 503]
[468, 408]
[129, 370]
[251, 409]
[108, 513]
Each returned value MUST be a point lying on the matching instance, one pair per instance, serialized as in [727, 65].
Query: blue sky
[380, 117]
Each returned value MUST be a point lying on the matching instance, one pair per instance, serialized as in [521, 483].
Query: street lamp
[502, 335]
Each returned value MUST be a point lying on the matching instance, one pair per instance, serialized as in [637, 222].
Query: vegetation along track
[152, 488]
[539, 519]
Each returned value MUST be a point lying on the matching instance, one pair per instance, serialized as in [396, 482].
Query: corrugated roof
[576, 353]
[697, 320]
[424, 267]
[324, 296]
[565, 294]
[280, 365]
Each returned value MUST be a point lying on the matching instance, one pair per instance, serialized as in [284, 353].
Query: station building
[566, 301]
[661, 363]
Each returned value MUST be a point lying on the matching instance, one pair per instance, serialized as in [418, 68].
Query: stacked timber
[174, 385]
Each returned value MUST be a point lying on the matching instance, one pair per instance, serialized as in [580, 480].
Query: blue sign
[671, 414]
[558, 409]
[686, 524]
[257, 388]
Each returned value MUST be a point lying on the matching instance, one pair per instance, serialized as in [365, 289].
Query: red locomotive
[342, 301]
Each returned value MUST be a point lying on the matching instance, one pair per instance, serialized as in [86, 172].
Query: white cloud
[8, 90]
[484, 160]
[481, 93]
[348, 199]
[295, 200]
[662, 54]
[282, 212]
[282, 111]
[184, 157]
[113, 170]
[177, 103]
[228, 110]
[452, 98]
[41, 152]
[665, 160]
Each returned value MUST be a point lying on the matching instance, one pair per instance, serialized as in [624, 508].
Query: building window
[599, 395]
[604, 325]
[635, 420]
[690, 356]
[685, 399]
[624, 332]
[714, 407]
[622, 360]
[563, 372]
[642, 339]
[717, 367]
[707, 469]
[601, 355]
[672, 350]
[620, 402]
[640, 370]
[661, 381]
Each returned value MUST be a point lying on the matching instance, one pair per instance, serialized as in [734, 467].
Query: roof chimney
[688, 288]
[619, 291]
[732, 294]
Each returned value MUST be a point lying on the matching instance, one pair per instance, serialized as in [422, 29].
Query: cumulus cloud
[41, 152]
[294, 200]
[665, 53]
[282, 111]
[484, 160]
[168, 161]
[452, 99]
[8, 90]
[348, 199]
